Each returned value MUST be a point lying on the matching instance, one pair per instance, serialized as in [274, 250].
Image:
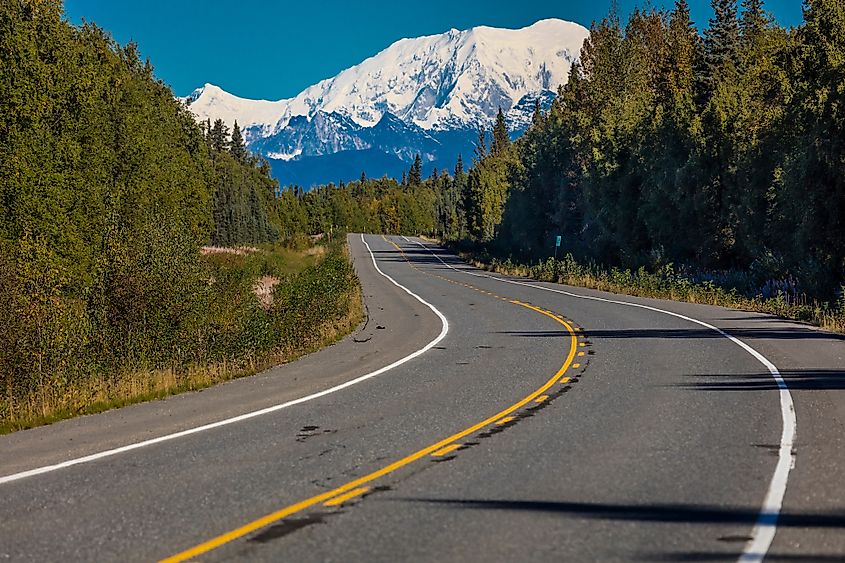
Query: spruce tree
[722, 42]
[481, 145]
[219, 136]
[459, 167]
[415, 174]
[237, 146]
[679, 72]
[537, 116]
[460, 187]
[501, 139]
[754, 19]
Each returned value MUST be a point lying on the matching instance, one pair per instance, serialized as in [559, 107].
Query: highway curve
[521, 421]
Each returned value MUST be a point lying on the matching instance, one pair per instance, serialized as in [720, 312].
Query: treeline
[383, 205]
[108, 189]
[244, 208]
[720, 152]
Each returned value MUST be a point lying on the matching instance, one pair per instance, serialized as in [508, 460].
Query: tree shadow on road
[794, 333]
[804, 380]
[695, 513]
[662, 513]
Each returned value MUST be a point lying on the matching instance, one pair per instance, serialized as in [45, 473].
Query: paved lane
[660, 444]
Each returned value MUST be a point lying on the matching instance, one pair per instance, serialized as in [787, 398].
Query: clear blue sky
[274, 49]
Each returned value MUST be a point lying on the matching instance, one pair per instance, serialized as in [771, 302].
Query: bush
[159, 320]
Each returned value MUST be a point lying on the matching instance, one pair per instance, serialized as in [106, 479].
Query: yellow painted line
[580, 354]
[581, 344]
[576, 366]
[274, 517]
[505, 420]
[541, 399]
[345, 497]
[448, 449]
[565, 380]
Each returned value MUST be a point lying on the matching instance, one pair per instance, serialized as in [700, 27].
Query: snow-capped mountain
[427, 95]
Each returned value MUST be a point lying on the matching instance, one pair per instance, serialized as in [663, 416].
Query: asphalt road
[534, 422]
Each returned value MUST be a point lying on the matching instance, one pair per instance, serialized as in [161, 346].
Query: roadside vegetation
[173, 327]
[108, 191]
[736, 290]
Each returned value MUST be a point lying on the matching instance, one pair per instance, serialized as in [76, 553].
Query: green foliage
[415, 174]
[666, 147]
[243, 202]
[373, 206]
[302, 305]
[501, 139]
[152, 309]
[108, 188]
[88, 136]
[237, 145]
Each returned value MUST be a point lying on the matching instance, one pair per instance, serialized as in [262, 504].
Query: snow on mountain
[453, 79]
[212, 102]
[414, 96]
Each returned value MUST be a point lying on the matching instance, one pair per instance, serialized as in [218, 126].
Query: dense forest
[720, 153]
[108, 190]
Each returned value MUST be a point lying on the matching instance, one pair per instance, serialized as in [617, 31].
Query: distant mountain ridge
[425, 96]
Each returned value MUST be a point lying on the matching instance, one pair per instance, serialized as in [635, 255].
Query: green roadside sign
[557, 243]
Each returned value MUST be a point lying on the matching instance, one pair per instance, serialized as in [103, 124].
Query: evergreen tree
[722, 42]
[813, 183]
[459, 167]
[481, 144]
[219, 136]
[459, 185]
[237, 146]
[501, 139]
[754, 21]
[415, 174]
[537, 116]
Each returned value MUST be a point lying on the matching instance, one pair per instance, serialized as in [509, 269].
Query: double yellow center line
[359, 486]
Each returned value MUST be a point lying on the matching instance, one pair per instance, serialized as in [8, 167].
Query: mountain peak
[457, 78]
[455, 81]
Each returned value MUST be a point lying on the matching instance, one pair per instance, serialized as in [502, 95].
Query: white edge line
[766, 526]
[123, 449]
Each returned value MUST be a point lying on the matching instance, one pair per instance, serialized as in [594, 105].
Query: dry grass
[237, 250]
[101, 394]
[263, 289]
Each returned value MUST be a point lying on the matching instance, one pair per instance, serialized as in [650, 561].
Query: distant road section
[472, 417]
